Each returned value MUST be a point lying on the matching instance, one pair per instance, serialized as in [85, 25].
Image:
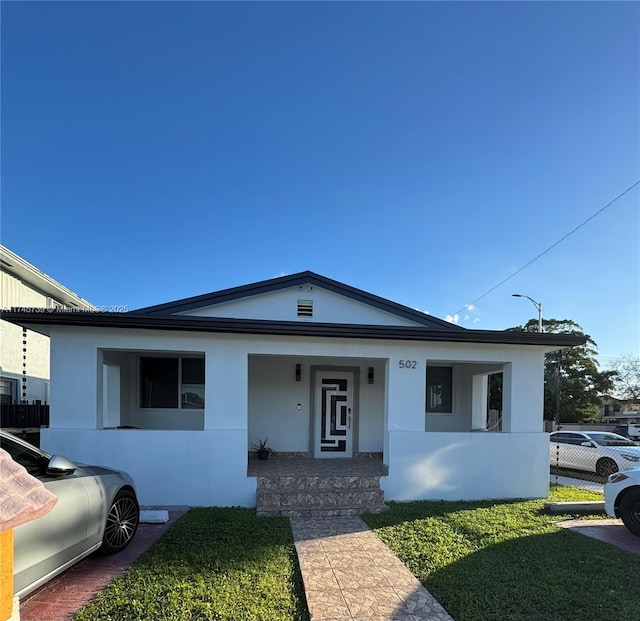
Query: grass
[564, 493]
[507, 561]
[214, 564]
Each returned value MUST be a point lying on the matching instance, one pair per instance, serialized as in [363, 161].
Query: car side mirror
[59, 466]
[587, 443]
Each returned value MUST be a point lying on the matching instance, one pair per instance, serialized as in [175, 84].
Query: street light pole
[538, 305]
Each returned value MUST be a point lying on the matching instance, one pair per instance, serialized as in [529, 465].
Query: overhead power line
[597, 213]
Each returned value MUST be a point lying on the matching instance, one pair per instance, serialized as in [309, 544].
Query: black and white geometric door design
[335, 415]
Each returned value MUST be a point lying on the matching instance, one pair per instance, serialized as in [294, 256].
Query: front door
[334, 414]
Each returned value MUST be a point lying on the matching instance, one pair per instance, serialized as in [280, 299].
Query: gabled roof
[167, 317]
[283, 282]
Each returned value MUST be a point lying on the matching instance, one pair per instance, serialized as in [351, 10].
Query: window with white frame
[172, 382]
[439, 398]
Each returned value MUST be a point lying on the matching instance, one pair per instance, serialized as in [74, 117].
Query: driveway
[62, 597]
[608, 530]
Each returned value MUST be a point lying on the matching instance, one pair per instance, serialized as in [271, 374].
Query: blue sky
[420, 151]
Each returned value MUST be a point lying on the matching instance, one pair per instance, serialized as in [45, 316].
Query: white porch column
[226, 387]
[523, 393]
[480, 391]
[76, 382]
[406, 388]
[110, 395]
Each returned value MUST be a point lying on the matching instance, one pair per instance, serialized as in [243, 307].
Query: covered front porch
[311, 406]
[320, 407]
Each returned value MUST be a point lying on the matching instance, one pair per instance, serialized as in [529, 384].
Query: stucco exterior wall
[196, 468]
[370, 428]
[274, 396]
[467, 466]
[282, 305]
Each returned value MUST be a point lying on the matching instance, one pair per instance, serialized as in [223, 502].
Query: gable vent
[305, 308]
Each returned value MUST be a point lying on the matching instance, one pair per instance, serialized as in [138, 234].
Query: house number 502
[408, 364]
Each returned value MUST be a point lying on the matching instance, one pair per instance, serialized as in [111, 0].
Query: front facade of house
[177, 393]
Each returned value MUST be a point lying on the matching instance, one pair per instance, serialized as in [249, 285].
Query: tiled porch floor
[350, 575]
[308, 467]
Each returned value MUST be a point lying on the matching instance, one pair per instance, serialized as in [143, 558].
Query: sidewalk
[350, 575]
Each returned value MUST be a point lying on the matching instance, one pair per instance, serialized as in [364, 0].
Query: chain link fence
[590, 456]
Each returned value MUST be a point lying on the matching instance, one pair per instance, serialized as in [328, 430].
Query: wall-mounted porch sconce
[298, 372]
[370, 375]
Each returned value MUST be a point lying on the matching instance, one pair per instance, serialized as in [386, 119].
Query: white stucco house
[176, 393]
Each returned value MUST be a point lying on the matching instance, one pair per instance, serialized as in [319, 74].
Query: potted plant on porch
[261, 449]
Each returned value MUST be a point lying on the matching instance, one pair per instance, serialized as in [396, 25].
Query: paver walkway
[350, 575]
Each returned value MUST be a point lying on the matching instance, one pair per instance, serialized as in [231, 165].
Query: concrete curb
[590, 506]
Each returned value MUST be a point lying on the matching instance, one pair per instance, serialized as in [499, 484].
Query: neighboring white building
[619, 410]
[176, 393]
[24, 287]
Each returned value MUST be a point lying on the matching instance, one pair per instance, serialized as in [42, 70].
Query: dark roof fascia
[301, 278]
[288, 328]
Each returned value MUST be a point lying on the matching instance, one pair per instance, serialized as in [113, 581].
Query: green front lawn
[214, 564]
[499, 561]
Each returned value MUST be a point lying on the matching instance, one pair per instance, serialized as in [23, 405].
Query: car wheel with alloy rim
[606, 466]
[122, 522]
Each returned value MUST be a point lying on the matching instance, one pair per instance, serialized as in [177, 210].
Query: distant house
[177, 393]
[614, 410]
[24, 356]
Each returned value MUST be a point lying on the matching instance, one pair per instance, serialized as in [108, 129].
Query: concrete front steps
[319, 496]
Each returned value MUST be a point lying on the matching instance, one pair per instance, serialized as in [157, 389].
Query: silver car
[601, 452]
[97, 508]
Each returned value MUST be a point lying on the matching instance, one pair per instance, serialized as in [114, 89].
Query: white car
[601, 452]
[622, 498]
